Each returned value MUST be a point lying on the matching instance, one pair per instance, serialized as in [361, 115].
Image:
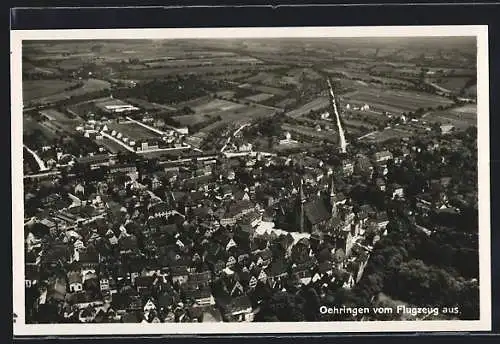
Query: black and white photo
[206, 180]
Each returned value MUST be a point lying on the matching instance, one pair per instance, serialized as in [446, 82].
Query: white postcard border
[484, 324]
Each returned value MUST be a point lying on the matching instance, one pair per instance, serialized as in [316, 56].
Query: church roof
[316, 211]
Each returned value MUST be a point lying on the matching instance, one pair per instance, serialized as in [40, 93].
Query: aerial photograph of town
[250, 180]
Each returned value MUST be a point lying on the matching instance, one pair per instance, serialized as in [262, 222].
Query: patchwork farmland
[260, 97]
[265, 89]
[36, 89]
[51, 91]
[461, 117]
[316, 104]
[396, 101]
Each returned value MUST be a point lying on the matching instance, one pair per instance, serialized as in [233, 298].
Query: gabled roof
[316, 211]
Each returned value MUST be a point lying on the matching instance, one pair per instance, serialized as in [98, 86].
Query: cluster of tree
[268, 127]
[35, 138]
[74, 87]
[168, 91]
[283, 307]
[54, 74]
[460, 165]
[440, 269]
[78, 145]
[29, 163]
[402, 268]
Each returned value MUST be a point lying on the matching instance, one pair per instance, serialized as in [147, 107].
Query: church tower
[302, 201]
[333, 199]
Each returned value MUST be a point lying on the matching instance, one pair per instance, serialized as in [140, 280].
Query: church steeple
[302, 201]
[301, 192]
[333, 198]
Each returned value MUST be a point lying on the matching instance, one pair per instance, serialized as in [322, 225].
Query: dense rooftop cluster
[199, 240]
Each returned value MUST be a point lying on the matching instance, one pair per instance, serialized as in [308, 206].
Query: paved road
[38, 160]
[234, 135]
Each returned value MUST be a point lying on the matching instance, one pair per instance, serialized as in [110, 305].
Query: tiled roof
[316, 211]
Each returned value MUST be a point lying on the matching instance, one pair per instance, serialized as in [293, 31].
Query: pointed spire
[302, 201]
[333, 198]
[302, 196]
[332, 187]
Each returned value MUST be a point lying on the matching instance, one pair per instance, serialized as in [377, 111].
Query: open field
[226, 94]
[214, 61]
[293, 77]
[216, 105]
[239, 116]
[286, 102]
[461, 118]
[470, 109]
[360, 124]
[396, 101]
[262, 78]
[385, 80]
[306, 73]
[133, 131]
[339, 71]
[314, 105]
[54, 115]
[454, 84]
[302, 130]
[35, 89]
[148, 106]
[152, 73]
[265, 89]
[29, 68]
[108, 101]
[110, 145]
[260, 97]
[189, 120]
[83, 109]
[387, 134]
[58, 93]
[377, 106]
[283, 148]
[234, 76]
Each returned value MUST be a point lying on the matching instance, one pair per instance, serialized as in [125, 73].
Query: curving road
[234, 134]
[38, 160]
